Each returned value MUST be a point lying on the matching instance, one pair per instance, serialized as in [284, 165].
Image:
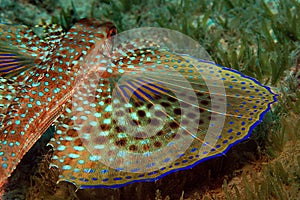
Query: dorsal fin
[52, 33]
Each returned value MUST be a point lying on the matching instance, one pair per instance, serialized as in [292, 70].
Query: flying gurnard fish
[124, 110]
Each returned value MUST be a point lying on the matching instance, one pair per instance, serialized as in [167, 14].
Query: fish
[36, 77]
[124, 110]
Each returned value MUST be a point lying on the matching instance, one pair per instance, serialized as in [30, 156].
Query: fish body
[41, 84]
[124, 111]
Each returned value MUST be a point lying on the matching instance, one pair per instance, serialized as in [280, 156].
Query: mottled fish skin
[85, 94]
[38, 92]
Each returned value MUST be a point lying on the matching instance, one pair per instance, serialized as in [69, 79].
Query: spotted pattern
[101, 127]
[39, 75]
[111, 103]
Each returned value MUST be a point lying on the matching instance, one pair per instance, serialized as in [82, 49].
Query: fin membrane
[169, 113]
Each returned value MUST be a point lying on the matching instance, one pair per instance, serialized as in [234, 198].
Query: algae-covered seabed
[259, 38]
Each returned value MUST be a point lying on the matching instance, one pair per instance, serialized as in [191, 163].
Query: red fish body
[39, 88]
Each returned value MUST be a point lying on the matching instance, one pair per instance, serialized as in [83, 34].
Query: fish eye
[111, 32]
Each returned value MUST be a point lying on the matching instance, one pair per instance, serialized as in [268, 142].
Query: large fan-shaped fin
[175, 115]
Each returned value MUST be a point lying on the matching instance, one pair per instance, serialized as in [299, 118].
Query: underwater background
[258, 38]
